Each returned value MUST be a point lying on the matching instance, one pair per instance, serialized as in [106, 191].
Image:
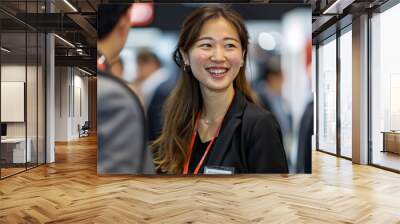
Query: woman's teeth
[217, 71]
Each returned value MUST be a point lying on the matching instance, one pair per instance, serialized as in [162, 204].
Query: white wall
[71, 94]
[33, 127]
[61, 103]
[15, 73]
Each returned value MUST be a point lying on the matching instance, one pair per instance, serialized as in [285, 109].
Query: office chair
[84, 129]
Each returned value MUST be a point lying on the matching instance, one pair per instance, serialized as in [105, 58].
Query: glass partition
[13, 105]
[31, 100]
[385, 89]
[22, 77]
[327, 96]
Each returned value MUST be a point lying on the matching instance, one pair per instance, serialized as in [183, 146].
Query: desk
[17, 151]
[391, 141]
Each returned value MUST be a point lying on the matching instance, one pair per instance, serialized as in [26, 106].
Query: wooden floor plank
[70, 191]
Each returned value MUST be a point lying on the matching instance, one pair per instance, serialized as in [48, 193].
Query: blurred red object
[142, 14]
[309, 53]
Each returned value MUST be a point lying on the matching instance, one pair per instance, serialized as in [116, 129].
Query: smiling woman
[212, 125]
[217, 55]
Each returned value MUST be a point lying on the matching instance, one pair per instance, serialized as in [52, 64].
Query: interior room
[49, 69]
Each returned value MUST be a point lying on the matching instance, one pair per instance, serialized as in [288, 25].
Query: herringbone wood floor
[69, 191]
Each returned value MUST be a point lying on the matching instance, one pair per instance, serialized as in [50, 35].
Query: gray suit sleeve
[121, 131]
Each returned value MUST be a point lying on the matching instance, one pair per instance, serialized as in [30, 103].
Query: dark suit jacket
[155, 109]
[304, 143]
[250, 140]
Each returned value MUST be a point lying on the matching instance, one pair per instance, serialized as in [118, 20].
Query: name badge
[219, 170]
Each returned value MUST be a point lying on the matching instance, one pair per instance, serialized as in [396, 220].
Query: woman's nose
[218, 54]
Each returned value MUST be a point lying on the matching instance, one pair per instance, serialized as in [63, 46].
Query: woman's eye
[230, 46]
[205, 45]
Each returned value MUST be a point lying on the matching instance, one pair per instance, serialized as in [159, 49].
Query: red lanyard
[186, 165]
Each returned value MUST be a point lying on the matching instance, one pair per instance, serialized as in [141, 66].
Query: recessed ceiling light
[86, 72]
[266, 41]
[337, 7]
[70, 5]
[64, 40]
[5, 50]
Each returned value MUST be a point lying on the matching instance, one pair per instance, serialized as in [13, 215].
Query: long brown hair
[185, 100]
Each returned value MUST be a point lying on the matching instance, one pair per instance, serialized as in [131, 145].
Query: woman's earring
[186, 68]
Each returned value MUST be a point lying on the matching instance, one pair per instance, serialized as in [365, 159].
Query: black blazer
[250, 140]
[304, 142]
[154, 115]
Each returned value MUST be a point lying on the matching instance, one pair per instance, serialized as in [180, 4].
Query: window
[327, 96]
[385, 89]
[346, 93]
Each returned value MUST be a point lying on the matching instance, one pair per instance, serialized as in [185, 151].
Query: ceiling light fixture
[266, 41]
[65, 41]
[337, 7]
[86, 72]
[5, 50]
[70, 5]
[334, 5]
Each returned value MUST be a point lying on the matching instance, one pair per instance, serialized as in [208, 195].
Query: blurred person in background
[153, 84]
[112, 32]
[121, 136]
[212, 125]
[306, 129]
[269, 91]
[129, 69]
